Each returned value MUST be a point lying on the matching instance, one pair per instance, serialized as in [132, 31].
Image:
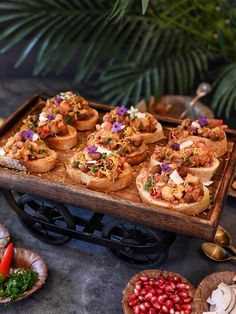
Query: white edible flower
[35, 137]
[196, 125]
[207, 183]
[133, 112]
[141, 115]
[43, 117]
[186, 144]
[102, 150]
[2, 152]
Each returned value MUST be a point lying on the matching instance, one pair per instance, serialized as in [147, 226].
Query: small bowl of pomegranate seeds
[158, 292]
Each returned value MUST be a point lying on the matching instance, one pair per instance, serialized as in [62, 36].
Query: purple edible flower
[51, 117]
[166, 167]
[27, 135]
[175, 146]
[92, 149]
[203, 121]
[58, 100]
[121, 111]
[116, 127]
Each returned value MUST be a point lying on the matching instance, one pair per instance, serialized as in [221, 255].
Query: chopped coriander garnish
[185, 127]
[108, 141]
[148, 184]
[94, 169]
[32, 125]
[17, 283]
[33, 155]
[69, 120]
[42, 151]
[103, 156]
[75, 164]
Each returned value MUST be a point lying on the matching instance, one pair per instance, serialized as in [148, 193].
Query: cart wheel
[130, 233]
[47, 211]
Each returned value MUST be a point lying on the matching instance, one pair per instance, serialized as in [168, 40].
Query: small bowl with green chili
[29, 273]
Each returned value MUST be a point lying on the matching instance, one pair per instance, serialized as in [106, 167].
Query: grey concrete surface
[84, 278]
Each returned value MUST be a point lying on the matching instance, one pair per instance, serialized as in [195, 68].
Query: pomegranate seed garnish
[165, 309]
[148, 287]
[187, 286]
[160, 299]
[178, 307]
[153, 299]
[147, 305]
[172, 311]
[157, 306]
[132, 295]
[180, 286]
[187, 312]
[138, 287]
[148, 296]
[136, 292]
[162, 286]
[144, 278]
[153, 291]
[188, 300]
[159, 291]
[186, 307]
[169, 278]
[142, 307]
[176, 278]
[133, 302]
[139, 282]
[141, 298]
[168, 288]
[137, 309]
[177, 312]
[176, 299]
[169, 304]
[183, 294]
[152, 311]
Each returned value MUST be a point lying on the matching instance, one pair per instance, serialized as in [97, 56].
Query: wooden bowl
[4, 236]
[27, 259]
[206, 286]
[151, 274]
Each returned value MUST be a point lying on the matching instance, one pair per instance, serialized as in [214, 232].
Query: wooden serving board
[125, 204]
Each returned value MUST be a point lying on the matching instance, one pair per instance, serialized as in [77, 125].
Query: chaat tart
[26, 152]
[163, 186]
[75, 110]
[211, 131]
[144, 122]
[100, 171]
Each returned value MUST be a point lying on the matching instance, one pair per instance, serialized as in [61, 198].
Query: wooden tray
[125, 204]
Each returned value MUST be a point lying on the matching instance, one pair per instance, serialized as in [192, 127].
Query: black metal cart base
[55, 223]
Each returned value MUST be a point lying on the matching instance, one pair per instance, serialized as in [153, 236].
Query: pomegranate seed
[177, 312]
[176, 299]
[144, 278]
[188, 300]
[132, 295]
[160, 299]
[151, 282]
[183, 294]
[153, 291]
[148, 287]
[136, 292]
[153, 299]
[187, 312]
[168, 288]
[170, 278]
[180, 286]
[176, 278]
[137, 309]
[187, 286]
[143, 292]
[159, 291]
[178, 307]
[139, 282]
[148, 296]
[186, 307]
[173, 285]
[152, 311]
[141, 298]
[145, 283]
[172, 311]
[169, 304]
[165, 309]
[142, 307]
[138, 287]
[133, 302]
[157, 306]
[162, 286]
[147, 305]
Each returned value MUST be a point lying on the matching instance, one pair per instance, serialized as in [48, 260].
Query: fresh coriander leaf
[148, 184]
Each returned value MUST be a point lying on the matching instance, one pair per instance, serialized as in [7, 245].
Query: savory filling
[97, 164]
[165, 183]
[71, 106]
[186, 154]
[142, 122]
[25, 145]
[47, 125]
[208, 128]
[116, 137]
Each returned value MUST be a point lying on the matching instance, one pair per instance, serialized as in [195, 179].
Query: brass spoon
[216, 252]
[223, 238]
[202, 90]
